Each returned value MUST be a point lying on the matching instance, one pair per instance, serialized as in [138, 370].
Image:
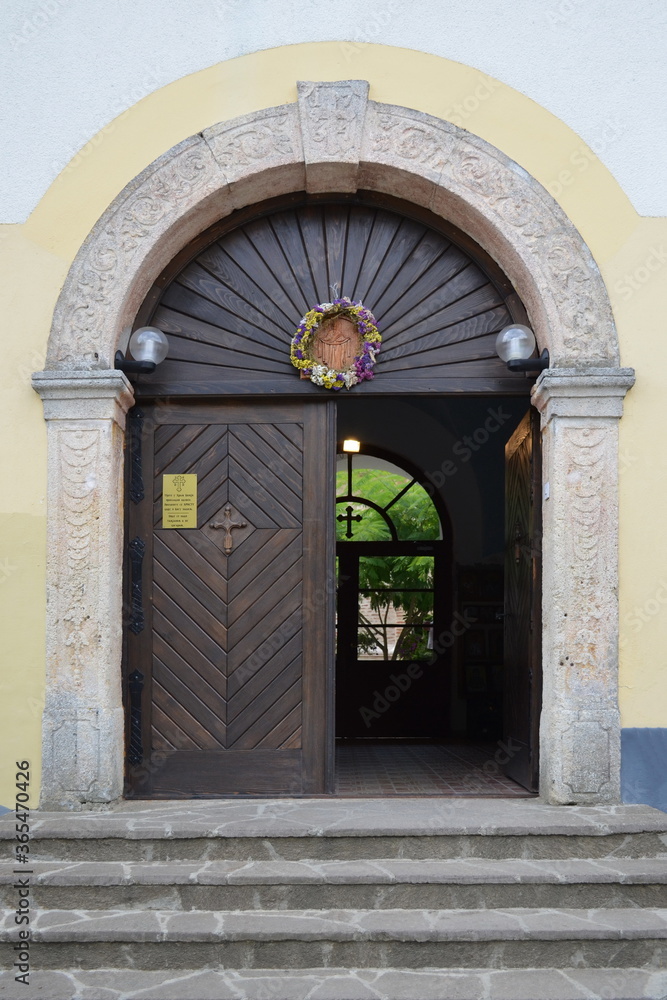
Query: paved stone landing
[329, 817]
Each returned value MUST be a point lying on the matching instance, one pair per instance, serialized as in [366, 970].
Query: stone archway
[333, 139]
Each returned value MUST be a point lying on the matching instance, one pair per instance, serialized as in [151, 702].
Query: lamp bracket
[133, 367]
[530, 364]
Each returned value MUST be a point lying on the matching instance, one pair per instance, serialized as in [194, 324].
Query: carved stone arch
[333, 139]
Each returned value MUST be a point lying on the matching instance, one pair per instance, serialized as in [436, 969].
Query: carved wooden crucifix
[227, 524]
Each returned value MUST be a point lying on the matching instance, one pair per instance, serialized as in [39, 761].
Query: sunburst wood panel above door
[232, 310]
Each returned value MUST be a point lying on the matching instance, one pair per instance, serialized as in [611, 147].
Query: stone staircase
[343, 899]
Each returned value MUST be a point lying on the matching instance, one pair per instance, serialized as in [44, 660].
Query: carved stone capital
[332, 117]
[570, 392]
[77, 395]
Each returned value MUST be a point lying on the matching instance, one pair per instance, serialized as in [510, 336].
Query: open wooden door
[523, 587]
[229, 640]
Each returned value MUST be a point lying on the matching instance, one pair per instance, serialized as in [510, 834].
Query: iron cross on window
[349, 517]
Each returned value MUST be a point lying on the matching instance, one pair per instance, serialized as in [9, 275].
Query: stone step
[323, 829]
[369, 847]
[342, 984]
[383, 884]
[286, 939]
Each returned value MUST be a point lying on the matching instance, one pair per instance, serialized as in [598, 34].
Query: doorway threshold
[422, 768]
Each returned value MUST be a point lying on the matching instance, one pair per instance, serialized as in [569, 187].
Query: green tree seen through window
[396, 586]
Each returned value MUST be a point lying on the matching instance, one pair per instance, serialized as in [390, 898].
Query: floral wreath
[362, 367]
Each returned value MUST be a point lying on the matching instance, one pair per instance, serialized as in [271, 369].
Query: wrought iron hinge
[137, 548]
[136, 472]
[135, 750]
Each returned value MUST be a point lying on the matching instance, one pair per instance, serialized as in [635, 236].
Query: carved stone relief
[79, 456]
[103, 277]
[332, 117]
[252, 149]
[334, 140]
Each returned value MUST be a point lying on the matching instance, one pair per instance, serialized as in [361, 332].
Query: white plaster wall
[68, 67]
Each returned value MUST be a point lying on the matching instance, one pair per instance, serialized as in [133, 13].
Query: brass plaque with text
[179, 501]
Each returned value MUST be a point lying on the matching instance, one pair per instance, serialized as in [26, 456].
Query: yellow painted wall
[630, 250]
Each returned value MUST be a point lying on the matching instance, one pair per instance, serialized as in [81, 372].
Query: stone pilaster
[580, 728]
[83, 716]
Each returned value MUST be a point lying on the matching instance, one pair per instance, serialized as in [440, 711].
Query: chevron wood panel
[227, 638]
[231, 312]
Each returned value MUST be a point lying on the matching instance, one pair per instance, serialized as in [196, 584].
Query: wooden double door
[229, 641]
[229, 637]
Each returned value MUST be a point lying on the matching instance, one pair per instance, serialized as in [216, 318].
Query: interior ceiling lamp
[351, 445]
[515, 345]
[148, 347]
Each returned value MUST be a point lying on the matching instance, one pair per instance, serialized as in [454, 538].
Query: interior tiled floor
[421, 769]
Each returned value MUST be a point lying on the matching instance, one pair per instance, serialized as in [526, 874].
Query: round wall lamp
[148, 347]
[515, 345]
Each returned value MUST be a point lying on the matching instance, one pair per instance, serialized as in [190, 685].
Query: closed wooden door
[229, 648]
[522, 633]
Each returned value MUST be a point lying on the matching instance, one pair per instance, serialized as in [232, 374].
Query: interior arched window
[378, 501]
[382, 515]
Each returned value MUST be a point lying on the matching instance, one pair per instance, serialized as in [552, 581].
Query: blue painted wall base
[644, 767]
